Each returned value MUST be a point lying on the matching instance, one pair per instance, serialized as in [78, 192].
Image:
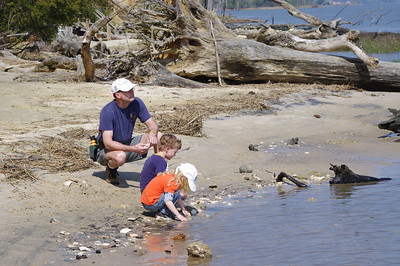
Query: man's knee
[118, 158]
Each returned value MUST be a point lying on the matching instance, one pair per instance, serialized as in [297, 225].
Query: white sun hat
[122, 84]
[190, 172]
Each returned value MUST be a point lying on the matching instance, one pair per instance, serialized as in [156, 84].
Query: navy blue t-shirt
[154, 164]
[122, 121]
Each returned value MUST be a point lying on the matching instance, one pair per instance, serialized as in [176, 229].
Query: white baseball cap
[121, 84]
[190, 172]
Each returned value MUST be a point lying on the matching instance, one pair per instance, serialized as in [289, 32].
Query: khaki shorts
[130, 156]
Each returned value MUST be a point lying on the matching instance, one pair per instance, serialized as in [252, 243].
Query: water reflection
[288, 190]
[344, 191]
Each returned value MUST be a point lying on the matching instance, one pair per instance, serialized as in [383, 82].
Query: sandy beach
[53, 211]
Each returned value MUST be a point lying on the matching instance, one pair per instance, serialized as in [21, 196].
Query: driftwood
[50, 64]
[393, 123]
[179, 36]
[291, 178]
[325, 36]
[245, 60]
[87, 38]
[286, 39]
[343, 175]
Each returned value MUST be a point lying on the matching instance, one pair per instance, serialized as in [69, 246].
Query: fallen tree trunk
[244, 60]
[179, 36]
[286, 39]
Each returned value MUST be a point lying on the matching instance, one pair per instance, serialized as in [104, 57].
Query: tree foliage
[42, 18]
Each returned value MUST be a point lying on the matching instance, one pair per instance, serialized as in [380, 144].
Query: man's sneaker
[162, 217]
[112, 176]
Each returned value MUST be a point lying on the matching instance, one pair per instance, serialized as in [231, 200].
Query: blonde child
[157, 163]
[162, 195]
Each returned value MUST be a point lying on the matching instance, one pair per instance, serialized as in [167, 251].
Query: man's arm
[152, 127]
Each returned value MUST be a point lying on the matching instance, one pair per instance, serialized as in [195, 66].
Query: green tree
[42, 18]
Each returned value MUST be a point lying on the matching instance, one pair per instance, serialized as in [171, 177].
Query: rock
[84, 248]
[125, 230]
[253, 147]
[179, 237]
[245, 169]
[68, 183]
[81, 257]
[293, 141]
[199, 250]
[54, 220]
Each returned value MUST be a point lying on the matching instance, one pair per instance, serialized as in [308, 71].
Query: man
[117, 121]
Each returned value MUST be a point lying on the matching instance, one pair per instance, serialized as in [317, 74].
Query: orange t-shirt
[157, 186]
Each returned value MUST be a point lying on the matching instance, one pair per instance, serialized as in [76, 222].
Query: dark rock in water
[193, 211]
[343, 175]
[393, 123]
[199, 250]
[293, 141]
[253, 147]
[291, 178]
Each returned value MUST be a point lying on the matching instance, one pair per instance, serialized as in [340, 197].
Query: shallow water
[286, 225]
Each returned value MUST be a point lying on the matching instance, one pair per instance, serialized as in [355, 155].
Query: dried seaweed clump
[67, 152]
[15, 170]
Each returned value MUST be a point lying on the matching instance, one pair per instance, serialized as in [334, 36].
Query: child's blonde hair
[180, 179]
[183, 182]
[169, 140]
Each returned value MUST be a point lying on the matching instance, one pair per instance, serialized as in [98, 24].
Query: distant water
[383, 17]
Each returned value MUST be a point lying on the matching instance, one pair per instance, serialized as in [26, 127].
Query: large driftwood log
[245, 60]
[343, 175]
[179, 37]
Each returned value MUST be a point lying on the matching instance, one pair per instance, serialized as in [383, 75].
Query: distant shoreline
[279, 7]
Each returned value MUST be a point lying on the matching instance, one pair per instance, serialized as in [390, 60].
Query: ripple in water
[319, 225]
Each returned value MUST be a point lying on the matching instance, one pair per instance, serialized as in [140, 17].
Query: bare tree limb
[85, 50]
[286, 39]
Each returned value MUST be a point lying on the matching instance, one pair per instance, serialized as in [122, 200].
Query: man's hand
[153, 140]
[141, 148]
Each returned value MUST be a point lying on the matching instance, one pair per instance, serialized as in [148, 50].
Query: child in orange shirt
[162, 195]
